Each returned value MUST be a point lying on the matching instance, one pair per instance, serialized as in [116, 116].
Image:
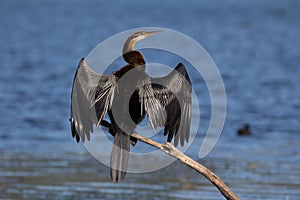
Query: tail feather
[119, 156]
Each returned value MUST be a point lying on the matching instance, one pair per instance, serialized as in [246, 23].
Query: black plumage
[165, 100]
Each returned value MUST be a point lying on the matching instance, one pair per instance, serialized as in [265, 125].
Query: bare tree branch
[174, 152]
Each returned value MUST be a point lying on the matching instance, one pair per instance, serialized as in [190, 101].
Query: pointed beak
[151, 33]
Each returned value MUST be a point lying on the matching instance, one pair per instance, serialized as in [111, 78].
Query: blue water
[255, 45]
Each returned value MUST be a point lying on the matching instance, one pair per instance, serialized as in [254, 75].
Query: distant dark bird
[245, 130]
[95, 95]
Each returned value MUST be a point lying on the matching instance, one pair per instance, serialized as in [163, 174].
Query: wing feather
[152, 106]
[173, 93]
[92, 96]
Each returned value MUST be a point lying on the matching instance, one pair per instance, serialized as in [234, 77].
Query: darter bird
[165, 100]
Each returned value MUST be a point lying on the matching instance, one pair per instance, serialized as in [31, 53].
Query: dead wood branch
[174, 152]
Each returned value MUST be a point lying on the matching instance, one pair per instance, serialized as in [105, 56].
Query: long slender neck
[132, 57]
[128, 46]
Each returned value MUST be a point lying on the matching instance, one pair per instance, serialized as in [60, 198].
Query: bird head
[140, 35]
[135, 37]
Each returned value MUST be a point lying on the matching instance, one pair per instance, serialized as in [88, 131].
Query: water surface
[255, 45]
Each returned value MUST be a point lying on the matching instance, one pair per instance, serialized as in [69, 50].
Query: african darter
[94, 95]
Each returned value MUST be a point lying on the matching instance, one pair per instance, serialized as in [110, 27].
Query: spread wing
[173, 92]
[92, 96]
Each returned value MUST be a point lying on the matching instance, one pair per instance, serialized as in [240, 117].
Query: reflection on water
[255, 45]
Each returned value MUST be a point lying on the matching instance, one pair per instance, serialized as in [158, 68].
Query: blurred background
[255, 45]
